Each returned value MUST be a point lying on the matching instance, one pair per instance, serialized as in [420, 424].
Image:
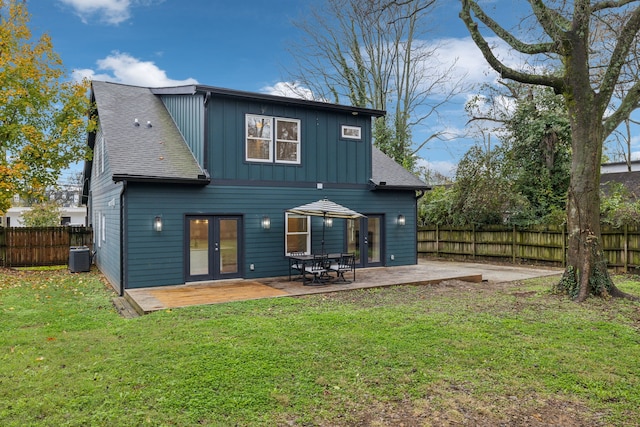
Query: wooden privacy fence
[28, 247]
[543, 244]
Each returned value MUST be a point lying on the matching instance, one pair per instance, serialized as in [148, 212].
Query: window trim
[351, 132]
[272, 139]
[287, 233]
[296, 141]
[262, 138]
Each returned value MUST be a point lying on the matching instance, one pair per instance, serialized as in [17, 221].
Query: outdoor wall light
[328, 222]
[401, 220]
[157, 223]
[266, 222]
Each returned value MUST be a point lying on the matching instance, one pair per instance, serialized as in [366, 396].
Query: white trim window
[259, 138]
[287, 141]
[297, 234]
[262, 144]
[103, 229]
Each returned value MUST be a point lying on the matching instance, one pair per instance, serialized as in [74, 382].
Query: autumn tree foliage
[42, 116]
[591, 48]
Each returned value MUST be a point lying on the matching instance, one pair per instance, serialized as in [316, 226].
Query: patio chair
[346, 263]
[295, 264]
[318, 268]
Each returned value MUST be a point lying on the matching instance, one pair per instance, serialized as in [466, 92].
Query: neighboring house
[69, 215]
[193, 183]
[67, 197]
[619, 167]
[618, 173]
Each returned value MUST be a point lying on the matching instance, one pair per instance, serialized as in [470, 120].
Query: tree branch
[610, 4]
[529, 49]
[504, 71]
[619, 56]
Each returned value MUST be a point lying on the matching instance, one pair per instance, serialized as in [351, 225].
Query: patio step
[124, 308]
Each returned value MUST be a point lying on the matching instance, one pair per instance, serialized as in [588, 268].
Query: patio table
[301, 261]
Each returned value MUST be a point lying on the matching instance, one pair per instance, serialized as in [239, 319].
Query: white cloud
[124, 68]
[444, 167]
[289, 89]
[109, 11]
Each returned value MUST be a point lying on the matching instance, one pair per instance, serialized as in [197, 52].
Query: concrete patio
[426, 272]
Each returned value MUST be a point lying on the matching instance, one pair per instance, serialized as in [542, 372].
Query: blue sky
[238, 44]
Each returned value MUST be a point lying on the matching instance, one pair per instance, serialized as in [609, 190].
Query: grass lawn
[450, 354]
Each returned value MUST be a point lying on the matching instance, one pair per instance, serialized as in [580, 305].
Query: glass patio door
[213, 247]
[364, 238]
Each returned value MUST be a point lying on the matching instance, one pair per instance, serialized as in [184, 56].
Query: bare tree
[371, 53]
[587, 78]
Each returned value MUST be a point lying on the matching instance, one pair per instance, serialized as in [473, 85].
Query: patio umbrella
[326, 209]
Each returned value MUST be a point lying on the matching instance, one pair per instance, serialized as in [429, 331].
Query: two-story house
[193, 183]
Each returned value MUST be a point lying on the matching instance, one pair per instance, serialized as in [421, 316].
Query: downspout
[123, 258]
[419, 195]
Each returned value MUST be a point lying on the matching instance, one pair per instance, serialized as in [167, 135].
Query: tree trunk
[586, 272]
[586, 261]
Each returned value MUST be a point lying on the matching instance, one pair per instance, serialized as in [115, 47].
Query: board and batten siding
[188, 114]
[157, 258]
[104, 214]
[324, 157]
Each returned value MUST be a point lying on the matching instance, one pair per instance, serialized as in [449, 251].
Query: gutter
[202, 179]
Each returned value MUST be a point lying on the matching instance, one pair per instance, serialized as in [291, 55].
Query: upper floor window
[263, 144]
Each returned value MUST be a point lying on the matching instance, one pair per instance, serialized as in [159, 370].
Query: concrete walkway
[147, 300]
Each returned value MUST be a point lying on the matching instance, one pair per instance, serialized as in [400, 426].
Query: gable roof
[152, 149]
[389, 175]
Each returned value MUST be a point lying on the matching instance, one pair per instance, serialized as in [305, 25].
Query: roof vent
[136, 122]
[149, 124]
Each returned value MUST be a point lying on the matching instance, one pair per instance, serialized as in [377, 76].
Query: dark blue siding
[104, 215]
[156, 259]
[324, 156]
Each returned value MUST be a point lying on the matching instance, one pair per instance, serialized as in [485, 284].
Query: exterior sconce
[401, 220]
[157, 223]
[328, 222]
[266, 222]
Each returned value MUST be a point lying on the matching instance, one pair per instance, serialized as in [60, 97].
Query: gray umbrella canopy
[326, 208]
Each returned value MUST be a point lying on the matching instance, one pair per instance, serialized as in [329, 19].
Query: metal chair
[346, 263]
[318, 268]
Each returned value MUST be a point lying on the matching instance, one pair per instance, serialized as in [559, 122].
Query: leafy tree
[42, 117]
[618, 207]
[537, 153]
[563, 36]
[369, 53]
[42, 215]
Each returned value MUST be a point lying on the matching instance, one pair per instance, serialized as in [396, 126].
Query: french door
[213, 247]
[364, 238]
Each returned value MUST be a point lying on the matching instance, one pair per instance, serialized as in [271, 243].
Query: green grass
[442, 354]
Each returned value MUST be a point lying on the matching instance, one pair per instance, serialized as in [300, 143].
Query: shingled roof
[149, 149]
[387, 174]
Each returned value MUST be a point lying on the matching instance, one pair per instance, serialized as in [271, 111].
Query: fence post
[564, 245]
[3, 246]
[626, 248]
[513, 244]
[473, 241]
[437, 240]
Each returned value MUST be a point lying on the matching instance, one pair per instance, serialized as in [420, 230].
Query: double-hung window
[272, 137]
[298, 234]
